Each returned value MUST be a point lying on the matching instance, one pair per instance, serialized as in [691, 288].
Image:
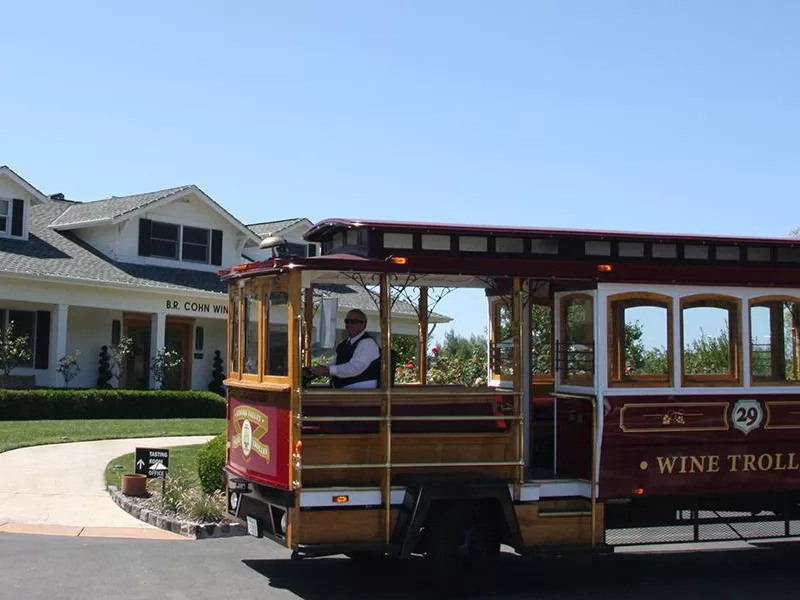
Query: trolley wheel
[463, 547]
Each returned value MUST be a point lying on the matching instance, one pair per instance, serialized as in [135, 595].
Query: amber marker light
[298, 447]
[399, 260]
[605, 268]
[638, 491]
[341, 499]
[239, 268]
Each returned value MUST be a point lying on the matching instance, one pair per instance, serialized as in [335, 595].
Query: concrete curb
[198, 531]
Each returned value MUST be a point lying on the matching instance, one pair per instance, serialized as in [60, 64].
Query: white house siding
[102, 238]
[88, 329]
[215, 334]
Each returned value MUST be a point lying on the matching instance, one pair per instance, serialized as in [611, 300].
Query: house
[76, 276]
[79, 275]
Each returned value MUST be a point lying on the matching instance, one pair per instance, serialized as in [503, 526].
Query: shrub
[178, 492]
[104, 374]
[210, 462]
[217, 374]
[208, 507]
[34, 405]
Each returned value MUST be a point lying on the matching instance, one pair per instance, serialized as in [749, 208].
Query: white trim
[529, 492]
[192, 189]
[169, 199]
[6, 231]
[533, 492]
[5, 170]
[113, 284]
[317, 498]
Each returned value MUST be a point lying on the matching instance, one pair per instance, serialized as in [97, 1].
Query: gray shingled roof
[111, 208]
[50, 253]
[272, 227]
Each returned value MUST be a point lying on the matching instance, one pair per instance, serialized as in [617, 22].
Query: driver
[357, 363]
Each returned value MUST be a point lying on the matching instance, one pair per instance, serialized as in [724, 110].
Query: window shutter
[216, 247]
[42, 358]
[144, 237]
[198, 339]
[17, 216]
[116, 332]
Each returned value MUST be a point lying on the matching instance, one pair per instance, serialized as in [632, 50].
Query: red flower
[435, 350]
[409, 365]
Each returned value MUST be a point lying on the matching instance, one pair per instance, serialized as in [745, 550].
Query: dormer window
[12, 217]
[196, 244]
[180, 242]
[164, 238]
[5, 210]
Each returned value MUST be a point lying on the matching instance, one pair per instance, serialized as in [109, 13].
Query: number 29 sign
[747, 415]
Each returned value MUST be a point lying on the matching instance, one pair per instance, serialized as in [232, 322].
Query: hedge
[32, 405]
[210, 462]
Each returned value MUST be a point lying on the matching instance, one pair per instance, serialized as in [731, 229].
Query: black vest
[344, 352]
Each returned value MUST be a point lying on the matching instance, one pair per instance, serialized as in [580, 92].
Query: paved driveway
[60, 489]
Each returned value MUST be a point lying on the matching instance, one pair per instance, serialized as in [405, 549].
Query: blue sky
[649, 116]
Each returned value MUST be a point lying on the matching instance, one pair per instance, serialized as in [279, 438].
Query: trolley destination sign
[153, 462]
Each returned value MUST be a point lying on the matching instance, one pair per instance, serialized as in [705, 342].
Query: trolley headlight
[234, 500]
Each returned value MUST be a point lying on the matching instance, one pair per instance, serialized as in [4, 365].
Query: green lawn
[19, 434]
[181, 459]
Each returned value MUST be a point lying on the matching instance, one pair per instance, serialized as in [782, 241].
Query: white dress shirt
[364, 354]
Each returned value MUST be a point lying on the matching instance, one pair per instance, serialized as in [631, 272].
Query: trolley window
[577, 335]
[774, 340]
[640, 340]
[710, 346]
[542, 341]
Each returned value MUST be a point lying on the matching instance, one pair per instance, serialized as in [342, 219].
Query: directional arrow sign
[153, 462]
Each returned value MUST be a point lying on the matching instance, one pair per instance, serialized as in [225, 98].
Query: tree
[68, 367]
[707, 354]
[165, 363]
[104, 373]
[459, 360]
[217, 374]
[117, 356]
[541, 339]
[14, 349]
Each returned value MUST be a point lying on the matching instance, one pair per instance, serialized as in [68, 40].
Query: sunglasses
[352, 321]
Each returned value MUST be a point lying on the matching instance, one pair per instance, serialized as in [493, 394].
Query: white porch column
[58, 348]
[158, 329]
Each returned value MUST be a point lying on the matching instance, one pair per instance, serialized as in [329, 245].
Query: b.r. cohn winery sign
[192, 306]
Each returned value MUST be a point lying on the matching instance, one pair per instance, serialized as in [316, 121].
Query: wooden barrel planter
[134, 485]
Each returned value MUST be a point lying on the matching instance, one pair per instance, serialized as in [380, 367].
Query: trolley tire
[463, 547]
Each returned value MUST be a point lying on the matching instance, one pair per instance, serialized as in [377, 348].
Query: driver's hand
[319, 371]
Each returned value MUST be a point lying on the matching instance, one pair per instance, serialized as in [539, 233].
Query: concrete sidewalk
[60, 489]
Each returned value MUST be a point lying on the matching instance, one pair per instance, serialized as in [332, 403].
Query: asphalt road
[71, 568]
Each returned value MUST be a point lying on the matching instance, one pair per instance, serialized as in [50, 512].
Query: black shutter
[216, 247]
[116, 330]
[42, 359]
[198, 338]
[144, 237]
[312, 250]
[17, 216]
